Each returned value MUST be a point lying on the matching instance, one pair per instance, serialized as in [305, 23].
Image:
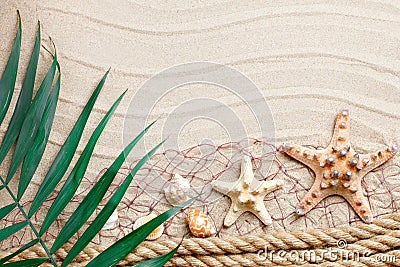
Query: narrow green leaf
[26, 263]
[6, 210]
[12, 229]
[74, 179]
[125, 245]
[23, 102]
[32, 121]
[93, 198]
[106, 212]
[9, 76]
[159, 261]
[35, 152]
[22, 249]
[1, 187]
[66, 153]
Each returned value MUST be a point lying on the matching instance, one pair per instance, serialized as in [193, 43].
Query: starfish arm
[263, 214]
[368, 162]
[246, 170]
[341, 133]
[267, 187]
[223, 187]
[307, 156]
[316, 194]
[233, 214]
[359, 203]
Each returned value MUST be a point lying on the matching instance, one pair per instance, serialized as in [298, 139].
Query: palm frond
[32, 121]
[93, 198]
[12, 229]
[120, 249]
[9, 76]
[159, 261]
[4, 211]
[66, 153]
[26, 263]
[20, 250]
[36, 150]
[29, 129]
[75, 177]
[23, 102]
[106, 212]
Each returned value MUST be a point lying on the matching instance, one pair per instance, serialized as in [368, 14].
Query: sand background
[308, 58]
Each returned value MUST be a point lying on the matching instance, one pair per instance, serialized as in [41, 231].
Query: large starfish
[338, 169]
[247, 194]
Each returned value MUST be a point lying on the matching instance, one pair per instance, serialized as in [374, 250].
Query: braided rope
[378, 241]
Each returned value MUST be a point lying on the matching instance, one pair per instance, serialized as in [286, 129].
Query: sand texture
[309, 59]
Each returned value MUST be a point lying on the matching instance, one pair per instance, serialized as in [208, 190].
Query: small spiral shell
[177, 190]
[153, 235]
[200, 224]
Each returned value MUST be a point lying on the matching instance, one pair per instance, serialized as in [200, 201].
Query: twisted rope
[377, 242]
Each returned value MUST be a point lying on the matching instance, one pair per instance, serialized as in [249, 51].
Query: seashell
[112, 221]
[178, 190]
[153, 235]
[200, 224]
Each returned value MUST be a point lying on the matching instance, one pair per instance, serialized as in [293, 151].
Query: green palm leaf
[106, 212]
[23, 102]
[93, 198]
[9, 76]
[74, 179]
[66, 153]
[6, 210]
[22, 249]
[12, 229]
[29, 128]
[35, 152]
[159, 261]
[125, 245]
[26, 263]
[32, 121]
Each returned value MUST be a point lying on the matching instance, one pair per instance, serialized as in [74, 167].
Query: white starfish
[247, 194]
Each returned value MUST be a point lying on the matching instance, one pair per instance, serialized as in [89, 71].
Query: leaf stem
[35, 231]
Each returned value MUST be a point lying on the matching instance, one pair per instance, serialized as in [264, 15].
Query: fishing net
[202, 164]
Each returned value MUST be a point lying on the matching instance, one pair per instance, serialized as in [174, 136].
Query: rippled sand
[309, 59]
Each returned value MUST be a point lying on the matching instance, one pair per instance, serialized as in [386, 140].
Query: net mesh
[202, 164]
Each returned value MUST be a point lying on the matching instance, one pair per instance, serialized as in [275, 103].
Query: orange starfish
[338, 169]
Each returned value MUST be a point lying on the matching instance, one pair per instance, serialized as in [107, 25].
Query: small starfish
[338, 169]
[247, 194]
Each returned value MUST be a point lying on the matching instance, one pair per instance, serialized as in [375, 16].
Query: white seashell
[112, 221]
[143, 220]
[178, 190]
